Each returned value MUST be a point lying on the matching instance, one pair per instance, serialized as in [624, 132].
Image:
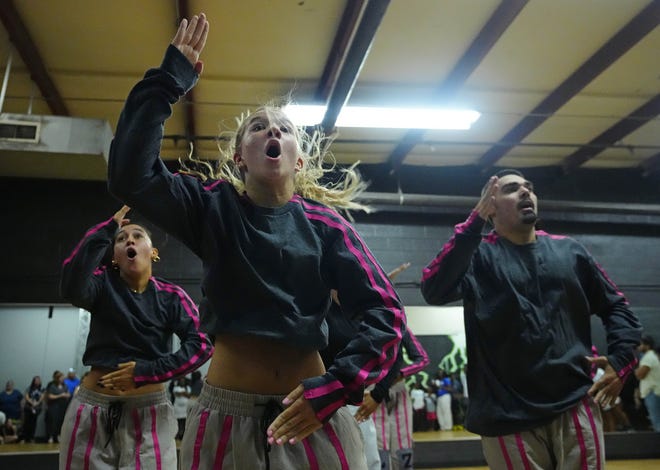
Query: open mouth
[131, 253]
[273, 150]
[526, 205]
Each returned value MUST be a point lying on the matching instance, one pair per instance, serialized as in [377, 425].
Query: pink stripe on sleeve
[89, 232]
[322, 391]
[387, 297]
[432, 268]
[187, 306]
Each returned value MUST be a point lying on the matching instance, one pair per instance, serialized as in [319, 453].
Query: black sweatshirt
[267, 271]
[129, 326]
[527, 312]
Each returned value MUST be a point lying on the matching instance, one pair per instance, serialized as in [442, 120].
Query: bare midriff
[90, 382]
[251, 364]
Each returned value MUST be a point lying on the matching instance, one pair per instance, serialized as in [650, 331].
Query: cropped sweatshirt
[129, 326]
[267, 271]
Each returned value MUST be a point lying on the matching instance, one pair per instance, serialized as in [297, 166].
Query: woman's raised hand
[120, 216]
[190, 39]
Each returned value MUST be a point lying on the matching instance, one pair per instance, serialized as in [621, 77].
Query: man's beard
[529, 218]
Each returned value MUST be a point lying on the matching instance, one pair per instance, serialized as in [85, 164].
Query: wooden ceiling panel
[420, 41]
[94, 36]
[256, 39]
[533, 53]
[523, 53]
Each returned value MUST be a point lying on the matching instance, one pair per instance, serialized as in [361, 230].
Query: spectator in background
[419, 407]
[648, 374]
[34, 397]
[443, 405]
[57, 398]
[430, 400]
[7, 430]
[72, 381]
[10, 401]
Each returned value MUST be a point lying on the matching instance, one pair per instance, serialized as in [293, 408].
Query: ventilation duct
[59, 145]
[19, 131]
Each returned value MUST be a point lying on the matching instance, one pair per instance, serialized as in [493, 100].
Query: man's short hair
[499, 174]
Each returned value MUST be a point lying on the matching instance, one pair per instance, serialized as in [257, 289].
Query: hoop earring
[155, 258]
[115, 265]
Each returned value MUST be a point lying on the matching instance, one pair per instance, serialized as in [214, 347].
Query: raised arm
[79, 283]
[136, 174]
[442, 277]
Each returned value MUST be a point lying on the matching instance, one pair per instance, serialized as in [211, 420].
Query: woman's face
[268, 148]
[132, 250]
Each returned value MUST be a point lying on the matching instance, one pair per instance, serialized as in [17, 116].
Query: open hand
[120, 215]
[607, 388]
[486, 205]
[296, 422]
[120, 379]
[190, 39]
[367, 407]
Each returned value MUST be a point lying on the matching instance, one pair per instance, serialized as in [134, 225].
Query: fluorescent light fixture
[387, 118]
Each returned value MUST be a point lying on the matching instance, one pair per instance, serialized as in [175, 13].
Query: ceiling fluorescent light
[388, 118]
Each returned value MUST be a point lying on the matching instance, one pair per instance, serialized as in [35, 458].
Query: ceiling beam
[190, 128]
[22, 41]
[339, 50]
[614, 134]
[633, 32]
[651, 164]
[351, 60]
[499, 21]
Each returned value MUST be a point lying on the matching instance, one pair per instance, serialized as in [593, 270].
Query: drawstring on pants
[112, 419]
[271, 410]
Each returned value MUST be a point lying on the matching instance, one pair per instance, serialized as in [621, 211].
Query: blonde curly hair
[313, 150]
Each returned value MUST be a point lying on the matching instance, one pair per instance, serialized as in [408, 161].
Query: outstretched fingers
[200, 33]
[190, 38]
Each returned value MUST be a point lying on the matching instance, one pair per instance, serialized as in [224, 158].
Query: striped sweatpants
[106, 432]
[227, 430]
[393, 420]
[573, 441]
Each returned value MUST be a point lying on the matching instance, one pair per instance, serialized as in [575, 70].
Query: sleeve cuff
[178, 66]
[326, 394]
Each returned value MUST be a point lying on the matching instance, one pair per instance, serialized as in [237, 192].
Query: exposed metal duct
[68, 139]
[566, 211]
